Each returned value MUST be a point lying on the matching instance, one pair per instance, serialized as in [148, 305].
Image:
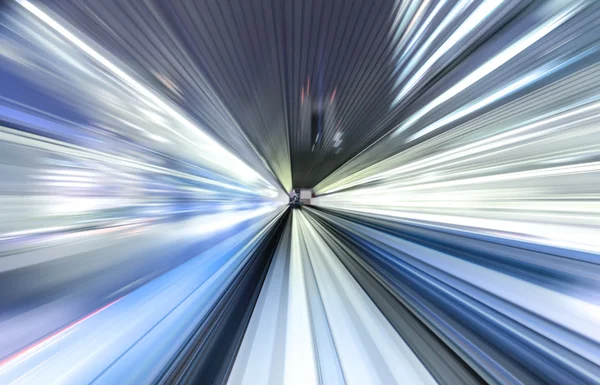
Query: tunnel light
[492, 64]
[210, 150]
[159, 138]
[474, 20]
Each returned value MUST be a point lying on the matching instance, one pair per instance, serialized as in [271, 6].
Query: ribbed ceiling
[260, 67]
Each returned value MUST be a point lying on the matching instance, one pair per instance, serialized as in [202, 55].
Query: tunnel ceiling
[262, 68]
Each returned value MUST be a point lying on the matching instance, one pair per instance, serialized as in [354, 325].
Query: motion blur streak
[300, 192]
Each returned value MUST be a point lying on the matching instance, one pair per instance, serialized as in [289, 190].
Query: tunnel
[300, 192]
